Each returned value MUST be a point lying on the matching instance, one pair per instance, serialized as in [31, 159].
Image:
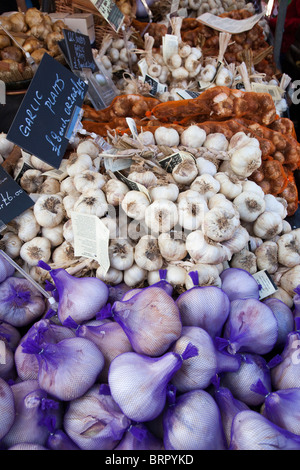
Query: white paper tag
[132, 184]
[110, 12]
[187, 94]
[268, 287]
[2, 352]
[229, 25]
[169, 46]
[142, 64]
[156, 86]
[91, 238]
[132, 126]
[170, 162]
[275, 91]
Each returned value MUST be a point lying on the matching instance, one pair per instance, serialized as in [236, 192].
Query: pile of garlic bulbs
[204, 215]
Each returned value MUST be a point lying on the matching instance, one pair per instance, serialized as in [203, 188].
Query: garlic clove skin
[93, 202]
[68, 233]
[146, 138]
[166, 136]
[246, 260]
[134, 204]
[147, 255]
[208, 275]
[134, 275]
[11, 244]
[185, 172]
[161, 216]
[27, 225]
[229, 188]
[276, 204]
[193, 136]
[290, 280]
[267, 256]
[54, 234]
[79, 163]
[112, 276]
[239, 139]
[205, 166]
[115, 191]
[121, 254]
[50, 186]
[31, 180]
[288, 248]
[220, 224]
[249, 205]
[206, 185]
[204, 250]
[87, 146]
[146, 178]
[267, 225]
[87, 180]
[67, 187]
[245, 160]
[216, 141]
[172, 245]
[238, 241]
[253, 187]
[35, 250]
[49, 210]
[168, 191]
[191, 212]
[63, 254]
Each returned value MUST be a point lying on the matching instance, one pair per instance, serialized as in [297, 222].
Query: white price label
[91, 238]
[110, 12]
[2, 352]
[267, 286]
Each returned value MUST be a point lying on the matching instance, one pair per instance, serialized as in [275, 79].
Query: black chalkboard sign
[79, 49]
[13, 199]
[49, 111]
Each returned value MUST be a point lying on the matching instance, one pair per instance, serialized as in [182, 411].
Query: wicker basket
[100, 24]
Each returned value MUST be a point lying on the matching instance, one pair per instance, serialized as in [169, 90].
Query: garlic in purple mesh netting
[68, 368]
[229, 406]
[282, 407]
[252, 431]
[11, 334]
[79, 298]
[253, 368]
[94, 421]
[251, 327]
[7, 408]
[286, 374]
[20, 302]
[193, 422]
[200, 370]
[204, 306]
[109, 337]
[284, 317]
[6, 269]
[27, 365]
[150, 319]
[33, 407]
[138, 437]
[138, 383]
[239, 284]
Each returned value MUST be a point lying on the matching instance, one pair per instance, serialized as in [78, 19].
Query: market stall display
[159, 253]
